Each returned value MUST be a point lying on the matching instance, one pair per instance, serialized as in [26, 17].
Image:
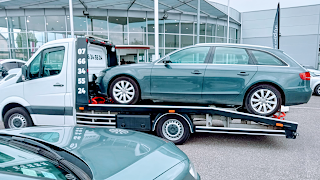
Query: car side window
[227, 55]
[10, 65]
[34, 68]
[263, 58]
[52, 62]
[193, 55]
[20, 64]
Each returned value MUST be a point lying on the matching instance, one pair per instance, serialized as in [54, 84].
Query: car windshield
[21, 162]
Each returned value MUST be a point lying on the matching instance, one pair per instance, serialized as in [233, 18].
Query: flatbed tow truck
[172, 122]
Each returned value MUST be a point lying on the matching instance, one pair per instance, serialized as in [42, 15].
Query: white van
[46, 98]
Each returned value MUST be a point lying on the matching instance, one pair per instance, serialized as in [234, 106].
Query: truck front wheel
[173, 128]
[17, 117]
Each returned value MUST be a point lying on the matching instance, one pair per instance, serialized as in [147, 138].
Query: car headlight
[192, 170]
[101, 74]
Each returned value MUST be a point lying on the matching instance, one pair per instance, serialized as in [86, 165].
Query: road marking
[305, 108]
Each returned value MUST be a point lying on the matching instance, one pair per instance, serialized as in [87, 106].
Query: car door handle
[243, 74]
[58, 85]
[196, 72]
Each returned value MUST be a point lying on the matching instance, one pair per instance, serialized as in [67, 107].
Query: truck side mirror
[24, 72]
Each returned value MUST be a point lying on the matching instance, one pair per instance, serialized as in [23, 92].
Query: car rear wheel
[263, 100]
[317, 90]
[17, 118]
[173, 128]
[124, 90]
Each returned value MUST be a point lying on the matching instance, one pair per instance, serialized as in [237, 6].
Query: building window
[186, 28]
[201, 39]
[151, 25]
[186, 41]
[118, 24]
[137, 25]
[137, 38]
[220, 30]
[172, 26]
[99, 24]
[119, 38]
[79, 23]
[35, 23]
[172, 40]
[211, 28]
[56, 23]
[202, 28]
[16, 24]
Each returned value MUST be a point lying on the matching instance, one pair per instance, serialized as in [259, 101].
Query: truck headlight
[192, 170]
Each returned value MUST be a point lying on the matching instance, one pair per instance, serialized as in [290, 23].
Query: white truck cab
[45, 96]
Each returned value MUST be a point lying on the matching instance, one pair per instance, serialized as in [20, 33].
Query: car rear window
[263, 58]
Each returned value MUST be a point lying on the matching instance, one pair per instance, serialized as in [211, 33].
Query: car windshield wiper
[45, 151]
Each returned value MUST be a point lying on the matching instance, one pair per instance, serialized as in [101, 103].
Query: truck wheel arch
[185, 117]
[9, 106]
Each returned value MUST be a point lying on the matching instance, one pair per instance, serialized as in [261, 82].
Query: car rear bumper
[298, 96]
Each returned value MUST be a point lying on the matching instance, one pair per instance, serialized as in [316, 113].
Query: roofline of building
[281, 8]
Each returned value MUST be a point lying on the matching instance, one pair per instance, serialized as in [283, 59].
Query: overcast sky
[255, 5]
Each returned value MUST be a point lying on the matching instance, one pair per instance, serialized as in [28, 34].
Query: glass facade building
[22, 32]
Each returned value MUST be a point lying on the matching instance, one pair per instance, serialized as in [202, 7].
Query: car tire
[17, 117]
[263, 100]
[317, 90]
[124, 90]
[173, 128]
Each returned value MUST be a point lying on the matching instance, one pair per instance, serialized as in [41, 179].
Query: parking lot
[223, 156]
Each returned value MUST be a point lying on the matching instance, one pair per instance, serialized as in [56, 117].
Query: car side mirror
[24, 72]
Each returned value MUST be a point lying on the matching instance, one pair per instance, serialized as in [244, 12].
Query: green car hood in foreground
[114, 153]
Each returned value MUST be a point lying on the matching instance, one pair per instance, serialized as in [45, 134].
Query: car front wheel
[317, 90]
[263, 100]
[124, 90]
[17, 117]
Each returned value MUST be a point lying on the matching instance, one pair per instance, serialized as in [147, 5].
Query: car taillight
[305, 76]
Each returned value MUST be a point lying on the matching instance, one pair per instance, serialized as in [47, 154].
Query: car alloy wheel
[17, 121]
[317, 90]
[123, 92]
[172, 129]
[264, 101]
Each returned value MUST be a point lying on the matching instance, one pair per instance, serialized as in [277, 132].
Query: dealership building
[129, 24]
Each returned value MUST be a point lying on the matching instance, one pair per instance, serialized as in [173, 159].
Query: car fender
[254, 82]
[314, 82]
[10, 100]
[141, 75]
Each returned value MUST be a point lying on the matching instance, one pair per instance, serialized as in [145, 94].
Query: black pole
[279, 26]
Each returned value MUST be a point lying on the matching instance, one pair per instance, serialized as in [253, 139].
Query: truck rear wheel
[17, 117]
[173, 128]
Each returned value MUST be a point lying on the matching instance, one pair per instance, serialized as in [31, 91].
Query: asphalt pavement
[245, 157]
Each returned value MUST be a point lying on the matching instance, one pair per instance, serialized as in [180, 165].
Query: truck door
[46, 88]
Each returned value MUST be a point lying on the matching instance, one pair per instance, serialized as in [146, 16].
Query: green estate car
[258, 78]
[86, 153]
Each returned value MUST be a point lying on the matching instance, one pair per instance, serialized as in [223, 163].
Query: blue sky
[254, 5]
